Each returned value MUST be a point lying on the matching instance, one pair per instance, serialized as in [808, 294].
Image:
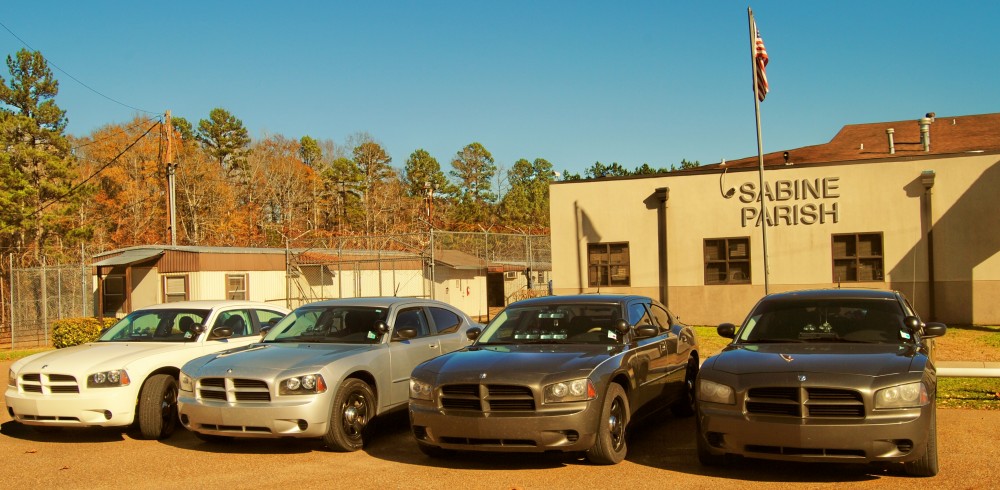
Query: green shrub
[75, 331]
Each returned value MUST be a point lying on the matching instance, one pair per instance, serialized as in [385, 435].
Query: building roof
[948, 135]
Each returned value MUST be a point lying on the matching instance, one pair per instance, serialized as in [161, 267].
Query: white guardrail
[968, 369]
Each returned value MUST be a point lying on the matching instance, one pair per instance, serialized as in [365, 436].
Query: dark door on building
[494, 289]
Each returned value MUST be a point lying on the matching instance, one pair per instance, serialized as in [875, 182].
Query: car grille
[49, 383]
[805, 402]
[487, 398]
[233, 390]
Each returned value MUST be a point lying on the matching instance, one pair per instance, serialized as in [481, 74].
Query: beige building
[905, 205]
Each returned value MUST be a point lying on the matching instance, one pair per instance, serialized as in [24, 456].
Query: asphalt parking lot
[661, 454]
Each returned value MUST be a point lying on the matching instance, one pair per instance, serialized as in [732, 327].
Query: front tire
[611, 447]
[684, 406]
[927, 465]
[158, 407]
[353, 409]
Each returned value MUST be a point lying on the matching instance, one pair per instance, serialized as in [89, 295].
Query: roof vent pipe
[925, 132]
[892, 146]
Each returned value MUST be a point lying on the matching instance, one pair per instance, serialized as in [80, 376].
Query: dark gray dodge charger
[832, 375]
[560, 373]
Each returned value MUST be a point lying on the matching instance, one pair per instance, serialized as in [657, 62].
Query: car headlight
[420, 390]
[902, 396]
[577, 390]
[108, 379]
[710, 391]
[309, 384]
[185, 382]
[11, 378]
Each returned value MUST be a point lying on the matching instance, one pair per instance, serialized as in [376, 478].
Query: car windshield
[836, 320]
[331, 324]
[171, 325]
[554, 324]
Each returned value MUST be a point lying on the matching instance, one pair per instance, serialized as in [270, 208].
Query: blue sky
[573, 82]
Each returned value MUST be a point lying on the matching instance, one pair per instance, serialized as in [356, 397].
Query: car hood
[517, 362]
[833, 358]
[265, 360]
[86, 358]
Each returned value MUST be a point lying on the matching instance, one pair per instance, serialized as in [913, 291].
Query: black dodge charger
[560, 373]
[835, 375]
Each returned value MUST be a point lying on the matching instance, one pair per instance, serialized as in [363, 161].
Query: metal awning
[129, 257]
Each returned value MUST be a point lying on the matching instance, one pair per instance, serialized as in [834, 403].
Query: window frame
[859, 262]
[727, 262]
[600, 274]
[167, 296]
[244, 291]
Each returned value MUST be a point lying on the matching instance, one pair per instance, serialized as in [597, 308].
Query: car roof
[208, 304]
[580, 299]
[831, 293]
[375, 302]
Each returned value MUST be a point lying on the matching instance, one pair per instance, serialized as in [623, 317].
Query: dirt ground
[661, 454]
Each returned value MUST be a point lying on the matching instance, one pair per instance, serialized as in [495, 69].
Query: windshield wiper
[772, 341]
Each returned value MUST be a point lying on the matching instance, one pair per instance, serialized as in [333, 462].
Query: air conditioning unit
[510, 275]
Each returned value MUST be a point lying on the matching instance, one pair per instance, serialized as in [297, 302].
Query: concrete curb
[968, 369]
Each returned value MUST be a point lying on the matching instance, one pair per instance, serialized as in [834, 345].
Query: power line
[121, 132]
[64, 72]
[95, 173]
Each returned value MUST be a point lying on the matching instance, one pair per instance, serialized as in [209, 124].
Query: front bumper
[100, 407]
[891, 436]
[570, 427]
[293, 416]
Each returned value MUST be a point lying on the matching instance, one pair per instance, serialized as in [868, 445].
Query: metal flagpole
[760, 146]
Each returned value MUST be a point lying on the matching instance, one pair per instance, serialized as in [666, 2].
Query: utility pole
[171, 187]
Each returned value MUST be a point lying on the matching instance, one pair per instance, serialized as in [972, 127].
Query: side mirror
[197, 329]
[912, 323]
[382, 327]
[473, 333]
[934, 329]
[621, 326]
[406, 332]
[727, 330]
[645, 331]
[264, 329]
[222, 332]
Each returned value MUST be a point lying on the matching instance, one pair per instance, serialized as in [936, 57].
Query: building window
[236, 286]
[607, 264]
[857, 257]
[114, 294]
[727, 260]
[175, 288]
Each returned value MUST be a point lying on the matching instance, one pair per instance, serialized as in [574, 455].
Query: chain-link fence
[40, 295]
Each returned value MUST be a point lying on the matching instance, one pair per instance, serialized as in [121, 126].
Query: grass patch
[7, 355]
[711, 342]
[976, 393]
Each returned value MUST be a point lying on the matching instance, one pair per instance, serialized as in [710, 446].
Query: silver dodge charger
[325, 370]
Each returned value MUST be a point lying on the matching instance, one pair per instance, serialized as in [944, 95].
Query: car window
[637, 315]
[236, 320]
[662, 317]
[265, 317]
[156, 325]
[411, 318]
[554, 323]
[851, 320]
[331, 324]
[445, 321]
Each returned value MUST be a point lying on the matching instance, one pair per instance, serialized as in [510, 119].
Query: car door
[676, 350]
[449, 328]
[405, 354]
[646, 360]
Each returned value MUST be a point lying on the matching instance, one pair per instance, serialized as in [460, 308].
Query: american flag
[760, 62]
